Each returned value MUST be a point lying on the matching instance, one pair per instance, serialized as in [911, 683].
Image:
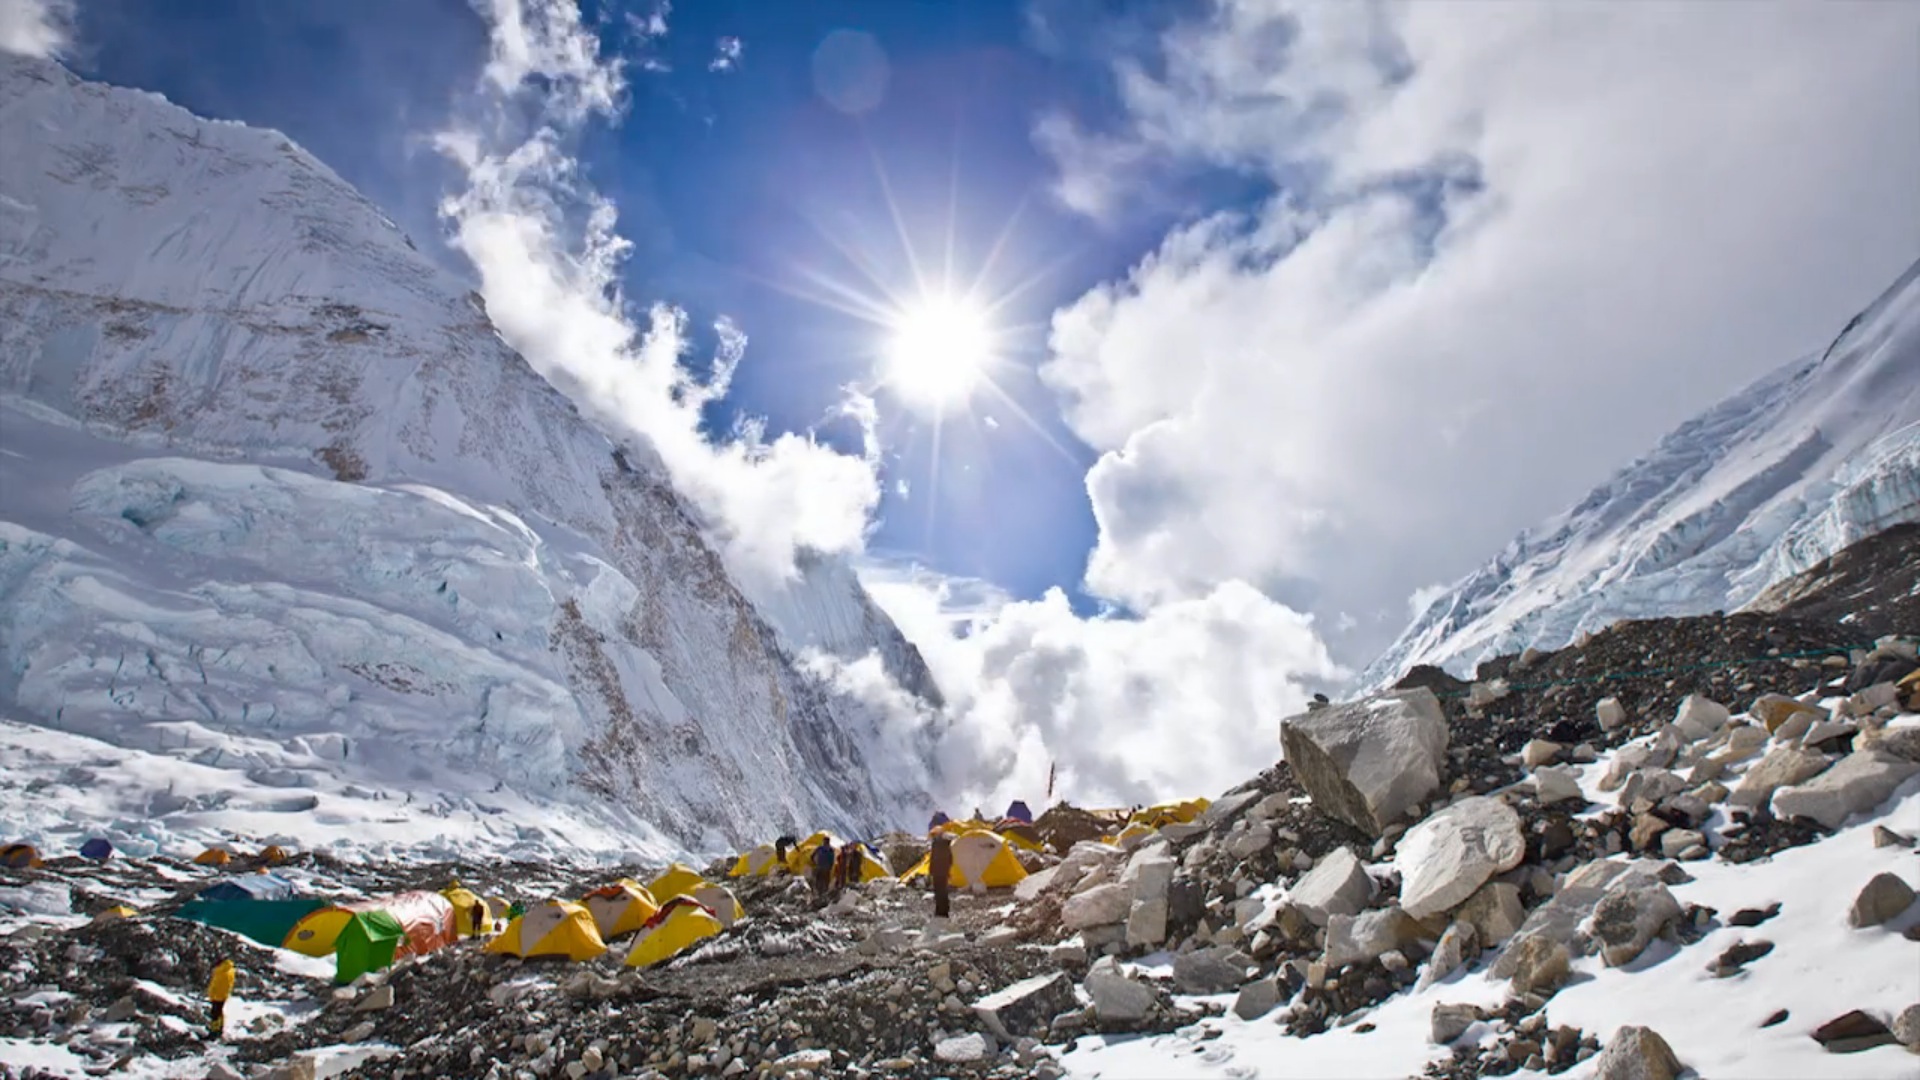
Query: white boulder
[1445, 858]
[1861, 781]
[1338, 886]
[1368, 762]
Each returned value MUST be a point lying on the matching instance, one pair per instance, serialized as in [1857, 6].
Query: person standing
[219, 989]
[823, 868]
[940, 870]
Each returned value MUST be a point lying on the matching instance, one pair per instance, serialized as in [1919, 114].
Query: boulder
[1368, 762]
[1213, 970]
[1885, 837]
[1118, 998]
[1257, 999]
[1906, 1028]
[1353, 938]
[1451, 1021]
[1102, 905]
[1699, 717]
[1877, 696]
[1560, 918]
[956, 1049]
[1340, 885]
[1676, 842]
[1539, 752]
[1826, 735]
[1445, 858]
[1635, 910]
[1026, 1007]
[1556, 783]
[1772, 710]
[1883, 899]
[1250, 841]
[1783, 766]
[1610, 713]
[381, 997]
[1457, 944]
[1901, 742]
[1494, 912]
[1861, 781]
[1537, 965]
[1147, 922]
[1853, 1032]
[1637, 1053]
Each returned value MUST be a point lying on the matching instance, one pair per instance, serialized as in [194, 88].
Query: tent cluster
[983, 853]
[361, 935]
[26, 856]
[1149, 820]
[664, 918]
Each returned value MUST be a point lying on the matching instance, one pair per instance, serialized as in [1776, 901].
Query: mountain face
[275, 497]
[1762, 486]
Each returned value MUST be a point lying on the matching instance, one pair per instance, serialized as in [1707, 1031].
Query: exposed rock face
[1861, 781]
[1637, 1053]
[1445, 858]
[1368, 762]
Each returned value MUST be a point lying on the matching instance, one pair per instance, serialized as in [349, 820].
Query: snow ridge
[273, 482]
[1810, 458]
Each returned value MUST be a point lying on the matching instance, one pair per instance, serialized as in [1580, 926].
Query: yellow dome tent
[720, 900]
[679, 880]
[678, 925]
[981, 856]
[555, 928]
[760, 862]
[871, 867]
[466, 905]
[213, 856]
[620, 908]
[800, 856]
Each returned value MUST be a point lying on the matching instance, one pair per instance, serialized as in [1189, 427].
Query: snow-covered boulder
[1445, 858]
[1861, 781]
[1338, 886]
[1368, 762]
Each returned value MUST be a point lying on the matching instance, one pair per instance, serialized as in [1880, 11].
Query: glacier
[1811, 457]
[277, 501]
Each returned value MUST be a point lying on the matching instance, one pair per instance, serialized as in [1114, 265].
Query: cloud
[1184, 700]
[545, 249]
[1508, 248]
[42, 28]
[1422, 598]
[726, 54]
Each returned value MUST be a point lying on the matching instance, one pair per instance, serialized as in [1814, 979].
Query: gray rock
[1610, 713]
[1351, 939]
[1212, 970]
[1451, 1021]
[1881, 900]
[1861, 781]
[1827, 731]
[380, 997]
[1026, 1007]
[1147, 922]
[1457, 944]
[1906, 1028]
[1783, 765]
[958, 1049]
[1675, 842]
[1539, 752]
[1248, 842]
[1637, 1053]
[1494, 912]
[1885, 837]
[1445, 858]
[1634, 911]
[1773, 710]
[1368, 762]
[1148, 873]
[1699, 717]
[1556, 783]
[1117, 997]
[1102, 905]
[359, 1032]
[1257, 999]
[297, 1068]
[1537, 965]
[1338, 886]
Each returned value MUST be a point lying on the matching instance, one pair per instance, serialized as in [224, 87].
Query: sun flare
[938, 350]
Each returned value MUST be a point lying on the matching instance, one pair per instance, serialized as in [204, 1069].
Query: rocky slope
[1680, 847]
[279, 499]
[1821, 453]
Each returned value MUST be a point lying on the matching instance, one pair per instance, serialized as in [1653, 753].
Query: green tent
[265, 921]
[366, 943]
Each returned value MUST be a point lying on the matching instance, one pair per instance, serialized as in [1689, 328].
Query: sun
[937, 351]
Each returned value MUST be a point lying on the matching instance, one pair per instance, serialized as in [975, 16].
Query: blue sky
[1319, 303]
[733, 185]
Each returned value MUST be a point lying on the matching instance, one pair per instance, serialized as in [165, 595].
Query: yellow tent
[213, 856]
[1138, 828]
[679, 880]
[871, 867]
[981, 856]
[117, 911]
[1020, 835]
[681, 923]
[620, 908]
[720, 900]
[555, 928]
[1170, 813]
[466, 904]
[760, 862]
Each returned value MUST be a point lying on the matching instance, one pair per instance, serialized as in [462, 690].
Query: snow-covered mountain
[276, 499]
[1821, 453]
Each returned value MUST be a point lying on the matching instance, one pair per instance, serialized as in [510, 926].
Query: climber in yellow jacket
[219, 989]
